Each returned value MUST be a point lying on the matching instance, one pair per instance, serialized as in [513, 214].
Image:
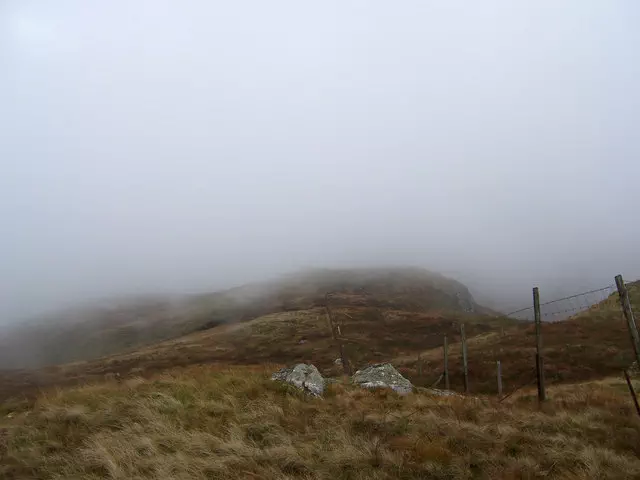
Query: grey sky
[176, 146]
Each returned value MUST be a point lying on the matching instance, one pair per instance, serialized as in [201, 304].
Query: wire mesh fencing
[563, 308]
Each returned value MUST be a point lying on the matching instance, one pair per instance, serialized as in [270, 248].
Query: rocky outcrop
[465, 302]
[303, 376]
[382, 375]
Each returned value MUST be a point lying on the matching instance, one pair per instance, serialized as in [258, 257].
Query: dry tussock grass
[369, 335]
[208, 423]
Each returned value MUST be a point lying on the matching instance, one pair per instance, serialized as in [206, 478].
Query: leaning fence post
[446, 364]
[499, 374]
[464, 359]
[628, 314]
[539, 361]
[632, 391]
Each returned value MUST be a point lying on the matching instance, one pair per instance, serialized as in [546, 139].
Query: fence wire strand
[562, 308]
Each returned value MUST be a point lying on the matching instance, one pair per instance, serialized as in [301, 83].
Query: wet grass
[204, 422]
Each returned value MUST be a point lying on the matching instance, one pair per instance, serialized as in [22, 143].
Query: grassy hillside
[592, 345]
[212, 423]
[369, 335]
[95, 332]
[169, 416]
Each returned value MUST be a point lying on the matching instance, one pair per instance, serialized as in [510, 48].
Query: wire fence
[611, 299]
[563, 308]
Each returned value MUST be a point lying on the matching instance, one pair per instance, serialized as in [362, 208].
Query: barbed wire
[576, 303]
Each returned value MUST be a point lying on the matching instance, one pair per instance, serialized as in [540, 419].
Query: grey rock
[303, 376]
[337, 361]
[382, 375]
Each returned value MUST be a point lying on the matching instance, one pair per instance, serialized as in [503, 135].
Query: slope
[369, 335]
[118, 326]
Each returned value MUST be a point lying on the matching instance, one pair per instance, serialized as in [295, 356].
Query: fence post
[464, 359]
[539, 361]
[343, 355]
[499, 373]
[346, 367]
[628, 315]
[446, 364]
[632, 391]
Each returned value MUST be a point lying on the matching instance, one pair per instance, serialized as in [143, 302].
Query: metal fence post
[542, 395]
[628, 315]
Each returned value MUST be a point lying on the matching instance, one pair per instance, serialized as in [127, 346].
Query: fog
[188, 146]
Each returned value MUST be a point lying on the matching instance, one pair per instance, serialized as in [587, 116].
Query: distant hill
[90, 333]
[397, 316]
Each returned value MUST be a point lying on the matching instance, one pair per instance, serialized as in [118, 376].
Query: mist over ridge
[150, 149]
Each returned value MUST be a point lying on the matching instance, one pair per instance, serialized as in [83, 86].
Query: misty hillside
[90, 333]
[176, 159]
[590, 345]
[191, 420]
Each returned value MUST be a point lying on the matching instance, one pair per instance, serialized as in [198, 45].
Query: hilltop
[93, 332]
[382, 314]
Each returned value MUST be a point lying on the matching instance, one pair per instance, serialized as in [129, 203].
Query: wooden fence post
[499, 373]
[628, 315]
[446, 364]
[464, 359]
[343, 355]
[542, 396]
[346, 367]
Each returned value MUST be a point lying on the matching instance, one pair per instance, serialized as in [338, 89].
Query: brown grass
[370, 336]
[592, 345]
[210, 423]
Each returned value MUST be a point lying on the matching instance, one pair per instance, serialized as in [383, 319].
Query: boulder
[382, 375]
[303, 376]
